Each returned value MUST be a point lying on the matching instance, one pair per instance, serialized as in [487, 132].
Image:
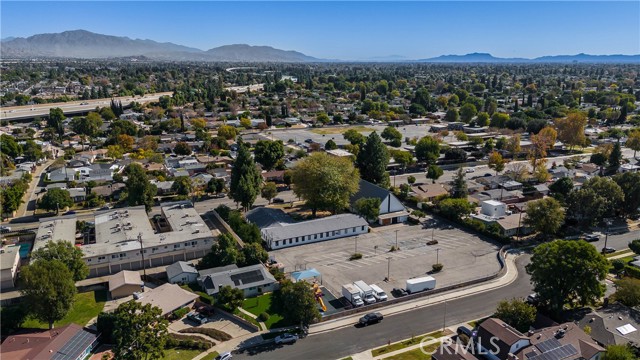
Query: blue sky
[350, 30]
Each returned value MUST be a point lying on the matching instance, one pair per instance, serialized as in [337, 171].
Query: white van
[378, 293]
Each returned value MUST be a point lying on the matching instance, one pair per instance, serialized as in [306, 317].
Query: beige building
[124, 283]
[9, 263]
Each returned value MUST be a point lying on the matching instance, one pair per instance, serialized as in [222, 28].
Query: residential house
[168, 297]
[124, 283]
[565, 341]
[78, 194]
[181, 272]
[69, 342]
[274, 175]
[62, 174]
[253, 280]
[9, 264]
[163, 187]
[279, 230]
[429, 192]
[614, 324]
[495, 212]
[392, 211]
[497, 340]
[109, 191]
[628, 168]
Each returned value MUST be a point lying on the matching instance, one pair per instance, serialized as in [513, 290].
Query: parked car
[197, 318]
[487, 175]
[224, 356]
[286, 339]
[308, 141]
[278, 200]
[219, 196]
[4, 229]
[370, 318]
[398, 292]
[591, 237]
[464, 330]
[608, 250]
[532, 299]
[470, 170]
[432, 242]
[106, 207]
[71, 212]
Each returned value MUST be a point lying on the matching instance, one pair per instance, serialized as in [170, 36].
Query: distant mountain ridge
[87, 45]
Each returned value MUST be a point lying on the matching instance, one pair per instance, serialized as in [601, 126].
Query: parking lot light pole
[389, 268]
[397, 240]
[356, 245]
[437, 256]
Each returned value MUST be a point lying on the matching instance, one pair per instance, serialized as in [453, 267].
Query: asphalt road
[27, 111]
[351, 340]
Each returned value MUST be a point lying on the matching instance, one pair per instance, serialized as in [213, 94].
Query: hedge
[212, 333]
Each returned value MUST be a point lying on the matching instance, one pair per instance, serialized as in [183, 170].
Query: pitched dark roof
[267, 217]
[369, 190]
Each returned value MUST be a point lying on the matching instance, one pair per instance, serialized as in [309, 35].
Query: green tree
[354, 137]
[403, 158]
[268, 153]
[182, 148]
[65, 252]
[545, 215]
[615, 158]
[633, 141]
[139, 190]
[372, 161]
[635, 246]
[182, 185]
[269, 191]
[49, 290]
[467, 112]
[55, 119]
[496, 162]
[561, 188]
[499, 120]
[368, 208]
[452, 115]
[55, 199]
[330, 145]
[140, 332]
[567, 272]
[455, 208]
[89, 125]
[228, 132]
[301, 302]
[609, 190]
[585, 215]
[434, 172]
[107, 114]
[629, 182]
[392, 135]
[627, 291]
[245, 178]
[223, 252]
[253, 254]
[516, 313]
[459, 189]
[9, 146]
[322, 118]
[230, 297]
[325, 182]
[619, 352]
[482, 119]
[215, 186]
[427, 150]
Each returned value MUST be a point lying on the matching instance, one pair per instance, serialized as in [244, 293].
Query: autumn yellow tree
[496, 162]
[633, 141]
[541, 142]
[571, 129]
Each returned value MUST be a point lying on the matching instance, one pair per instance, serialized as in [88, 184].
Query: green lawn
[211, 356]
[406, 343]
[86, 306]
[264, 303]
[246, 317]
[620, 252]
[340, 130]
[415, 354]
[180, 354]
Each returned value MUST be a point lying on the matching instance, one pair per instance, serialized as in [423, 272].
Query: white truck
[352, 294]
[366, 292]
[420, 284]
[378, 293]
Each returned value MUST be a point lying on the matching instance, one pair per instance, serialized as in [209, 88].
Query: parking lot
[464, 256]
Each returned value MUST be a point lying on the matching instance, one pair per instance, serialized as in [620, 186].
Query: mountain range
[87, 45]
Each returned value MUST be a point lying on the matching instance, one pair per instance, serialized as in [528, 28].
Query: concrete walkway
[262, 325]
[510, 275]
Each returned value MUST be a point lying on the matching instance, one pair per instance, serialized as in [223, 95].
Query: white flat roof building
[58, 228]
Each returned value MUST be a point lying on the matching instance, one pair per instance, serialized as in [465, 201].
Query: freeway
[351, 340]
[71, 107]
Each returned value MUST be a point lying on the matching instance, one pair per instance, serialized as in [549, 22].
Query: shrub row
[212, 333]
[188, 342]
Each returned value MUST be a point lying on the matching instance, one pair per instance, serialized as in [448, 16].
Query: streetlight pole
[356, 245]
[433, 230]
[438, 256]
[397, 248]
[444, 319]
[606, 238]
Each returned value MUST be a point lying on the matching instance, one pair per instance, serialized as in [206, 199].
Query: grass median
[406, 343]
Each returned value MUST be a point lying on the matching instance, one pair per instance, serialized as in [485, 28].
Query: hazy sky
[350, 30]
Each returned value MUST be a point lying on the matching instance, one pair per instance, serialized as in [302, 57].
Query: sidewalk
[510, 275]
[262, 325]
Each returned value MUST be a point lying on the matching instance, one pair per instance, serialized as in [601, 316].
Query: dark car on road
[278, 200]
[286, 339]
[370, 318]
[608, 250]
[399, 292]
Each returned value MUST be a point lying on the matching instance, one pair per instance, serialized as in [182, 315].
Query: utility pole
[356, 245]
[389, 268]
[144, 269]
[606, 238]
[444, 319]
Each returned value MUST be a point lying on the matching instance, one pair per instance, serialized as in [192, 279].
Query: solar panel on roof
[548, 345]
[247, 277]
[557, 354]
[75, 346]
